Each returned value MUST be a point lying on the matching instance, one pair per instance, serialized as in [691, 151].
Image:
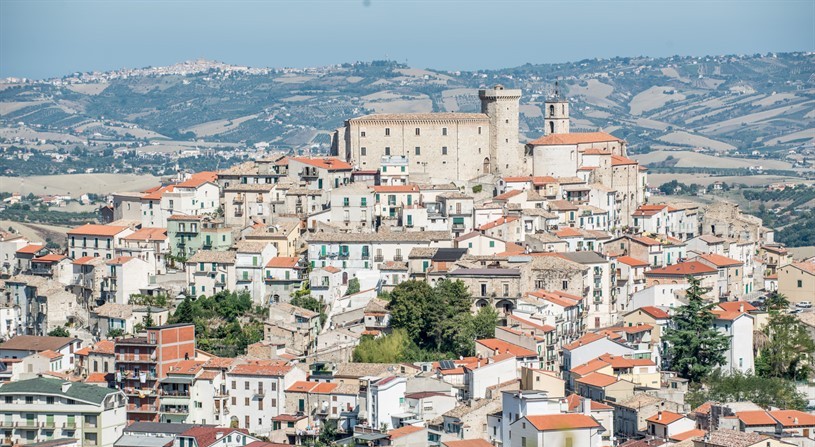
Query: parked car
[804, 304]
[796, 311]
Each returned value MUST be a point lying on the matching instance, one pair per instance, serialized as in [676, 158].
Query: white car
[804, 304]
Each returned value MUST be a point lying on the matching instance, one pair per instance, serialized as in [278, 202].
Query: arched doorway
[486, 169]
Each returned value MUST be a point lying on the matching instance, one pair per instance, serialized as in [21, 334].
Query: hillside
[724, 103]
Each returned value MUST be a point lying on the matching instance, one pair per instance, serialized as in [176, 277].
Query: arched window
[551, 127]
[551, 110]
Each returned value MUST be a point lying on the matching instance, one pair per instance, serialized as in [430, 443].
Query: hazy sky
[44, 38]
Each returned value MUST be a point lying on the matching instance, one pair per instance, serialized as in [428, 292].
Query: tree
[789, 348]
[739, 387]
[695, 348]
[60, 331]
[113, 333]
[485, 322]
[353, 286]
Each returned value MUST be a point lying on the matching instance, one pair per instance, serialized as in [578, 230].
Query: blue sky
[44, 38]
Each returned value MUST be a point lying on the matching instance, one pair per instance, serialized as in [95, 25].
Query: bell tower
[556, 113]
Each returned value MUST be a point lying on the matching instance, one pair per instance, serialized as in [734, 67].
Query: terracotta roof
[634, 329]
[97, 230]
[119, 260]
[618, 362]
[99, 377]
[737, 306]
[665, 417]
[103, 347]
[573, 401]
[719, 260]
[206, 436]
[84, 260]
[753, 418]
[574, 138]
[562, 299]
[36, 343]
[696, 432]
[655, 312]
[524, 321]
[147, 234]
[550, 422]
[198, 179]
[50, 354]
[283, 262]
[537, 180]
[184, 217]
[619, 160]
[501, 346]
[590, 367]
[568, 232]
[593, 151]
[509, 194]
[645, 240]
[396, 188]
[597, 379]
[304, 386]
[329, 163]
[331, 269]
[51, 257]
[498, 222]
[808, 267]
[793, 418]
[728, 315]
[704, 408]
[633, 262]
[31, 249]
[648, 210]
[584, 340]
[682, 269]
[261, 368]
[157, 192]
[404, 431]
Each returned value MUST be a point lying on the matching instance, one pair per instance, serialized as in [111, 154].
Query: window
[49, 400]
[418, 150]
[444, 150]
[800, 283]
[387, 132]
[246, 402]
[479, 130]
[362, 134]
[363, 201]
[346, 201]
[234, 385]
[29, 400]
[492, 244]
[418, 132]
[565, 285]
[444, 131]
[246, 385]
[387, 150]
[363, 151]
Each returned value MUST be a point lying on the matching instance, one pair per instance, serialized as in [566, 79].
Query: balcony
[238, 199]
[133, 408]
[137, 358]
[309, 173]
[175, 393]
[379, 258]
[27, 424]
[49, 424]
[343, 255]
[69, 425]
[397, 258]
[6, 423]
[45, 271]
[458, 227]
[365, 256]
[260, 392]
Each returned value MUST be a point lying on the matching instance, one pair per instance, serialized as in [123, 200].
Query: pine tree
[695, 346]
[789, 348]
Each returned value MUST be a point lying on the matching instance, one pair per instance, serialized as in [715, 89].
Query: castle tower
[556, 114]
[502, 106]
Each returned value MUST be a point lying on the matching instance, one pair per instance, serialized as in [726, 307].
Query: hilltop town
[437, 278]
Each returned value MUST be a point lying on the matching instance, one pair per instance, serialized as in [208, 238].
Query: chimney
[795, 421]
[586, 406]
[659, 415]
[741, 307]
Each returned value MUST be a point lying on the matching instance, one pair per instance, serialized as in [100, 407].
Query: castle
[459, 146]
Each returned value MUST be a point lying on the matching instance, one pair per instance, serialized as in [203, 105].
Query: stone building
[440, 145]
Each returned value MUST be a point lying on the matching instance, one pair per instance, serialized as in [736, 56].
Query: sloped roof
[97, 230]
[665, 417]
[551, 422]
[682, 269]
[36, 343]
[556, 139]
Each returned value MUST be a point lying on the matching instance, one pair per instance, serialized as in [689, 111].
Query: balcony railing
[397, 258]
[142, 408]
[379, 258]
[260, 392]
[135, 358]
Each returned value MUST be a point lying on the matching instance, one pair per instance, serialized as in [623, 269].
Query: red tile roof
[262, 368]
[304, 386]
[476, 442]
[619, 160]
[648, 210]
[561, 299]
[573, 401]
[396, 188]
[655, 312]
[682, 269]
[51, 257]
[550, 422]
[568, 232]
[645, 240]
[157, 192]
[509, 194]
[404, 431]
[199, 179]
[50, 354]
[597, 379]
[498, 222]
[97, 230]
[329, 163]
[31, 249]
[737, 306]
[537, 181]
[695, 433]
[584, 340]
[574, 138]
[590, 367]
[206, 436]
[148, 234]
[283, 262]
[99, 377]
[753, 418]
[793, 418]
[119, 260]
[633, 262]
[720, 261]
[665, 417]
[83, 260]
[501, 346]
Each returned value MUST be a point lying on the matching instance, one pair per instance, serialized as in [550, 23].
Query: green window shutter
[410, 199]
[492, 244]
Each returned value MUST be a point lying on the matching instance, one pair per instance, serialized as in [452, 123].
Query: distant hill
[720, 103]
